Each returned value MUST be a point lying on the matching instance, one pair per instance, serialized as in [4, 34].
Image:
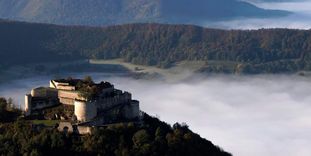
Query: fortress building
[93, 104]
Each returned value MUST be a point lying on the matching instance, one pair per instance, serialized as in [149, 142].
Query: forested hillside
[107, 12]
[255, 51]
[154, 138]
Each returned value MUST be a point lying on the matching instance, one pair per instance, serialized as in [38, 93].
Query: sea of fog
[299, 19]
[258, 115]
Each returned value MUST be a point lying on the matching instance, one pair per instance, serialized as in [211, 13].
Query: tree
[3, 105]
[88, 80]
[140, 138]
[10, 103]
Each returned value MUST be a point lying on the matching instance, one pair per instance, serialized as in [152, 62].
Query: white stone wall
[27, 104]
[61, 85]
[84, 130]
[44, 92]
[36, 104]
[85, 111]
[67, 97]
[52, 84]
[66, 101]
[63, 125]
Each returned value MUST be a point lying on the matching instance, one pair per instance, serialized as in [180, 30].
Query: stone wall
[61, 86]
[68, 127]
[65, 126]
[37, 103]
[107, 91]
[110, 100]
[67, 97]
[105, 103]
[28, 104]
[66, 101]
[84, 130]
[131, 111]
[44, 92]
[85, 111]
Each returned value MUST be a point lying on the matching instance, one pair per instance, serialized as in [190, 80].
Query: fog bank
[300, 19]
[246, 116]
[262, 115]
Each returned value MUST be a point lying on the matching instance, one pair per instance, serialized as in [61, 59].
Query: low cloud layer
[247, 116]
[262, 115]
[300, 19]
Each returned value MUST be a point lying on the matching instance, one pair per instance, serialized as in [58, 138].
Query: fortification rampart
[109, 102]
[68, 97]
[85, 111]
[44, 92]
[37, 103]
[108, 99]
[131, 111]
[62, 85]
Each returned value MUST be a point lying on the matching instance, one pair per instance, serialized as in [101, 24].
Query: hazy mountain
[102, 12]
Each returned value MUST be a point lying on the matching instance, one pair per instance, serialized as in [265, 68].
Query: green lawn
[46, 122]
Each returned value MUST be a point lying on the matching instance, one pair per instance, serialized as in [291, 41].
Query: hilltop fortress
[93, 104]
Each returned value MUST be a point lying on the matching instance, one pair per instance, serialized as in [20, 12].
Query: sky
[299, 19]
[262, 115]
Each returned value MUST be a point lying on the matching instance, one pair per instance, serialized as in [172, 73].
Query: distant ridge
[110, 12]
[229, 51]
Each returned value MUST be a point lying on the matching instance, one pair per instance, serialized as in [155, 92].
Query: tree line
[252, 51]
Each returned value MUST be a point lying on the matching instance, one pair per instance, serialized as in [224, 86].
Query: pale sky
[300, 19]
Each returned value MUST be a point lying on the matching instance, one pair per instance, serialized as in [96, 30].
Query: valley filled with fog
[299, 19]
[251, 115]
[255, 115]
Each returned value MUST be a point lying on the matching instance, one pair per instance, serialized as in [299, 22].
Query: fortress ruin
[93, 104]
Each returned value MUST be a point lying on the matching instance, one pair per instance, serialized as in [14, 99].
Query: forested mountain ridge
[250, 51]
[107, 12]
